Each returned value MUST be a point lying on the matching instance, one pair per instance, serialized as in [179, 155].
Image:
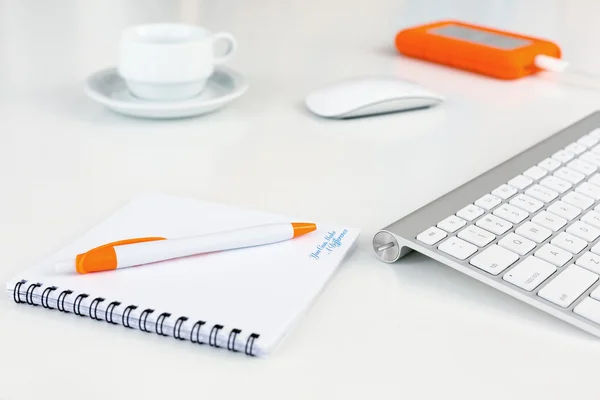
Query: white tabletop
[412, 330]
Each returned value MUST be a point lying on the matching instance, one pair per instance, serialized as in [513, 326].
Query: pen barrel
[148, 252]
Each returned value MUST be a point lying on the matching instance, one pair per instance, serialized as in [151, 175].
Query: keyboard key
[541, 193]
[477, 236]
[494, 259]
[554, 255]
[534, 232]
[549, 220]
[516, 243]
[470, 212]
[549, 164]
[589, 308]
[590, 261]
[511, 213]
[497, 226]
[568, 286]
[535, 173]
[526, 203]
[596, 249]
[457, 248]
[578, 200]
[530, 273]
[504, 192]
[563, 156]
[564, 210]
[488, 202]
[595, 180]
[595, 133]
[584, 231]
[582, 167]
[554, 183]
[431, 235]
[451, 224]
[596, 293]
[591, 157]
[589, 190]
[568, 242]
[569, 175]
[596, 149]
[588, 141]
[576, 148]
[592, 218]
[520, 182]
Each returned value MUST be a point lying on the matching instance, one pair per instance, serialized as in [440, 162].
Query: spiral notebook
[243, 300]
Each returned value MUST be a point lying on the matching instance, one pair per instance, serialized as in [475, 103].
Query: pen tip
[301, 228]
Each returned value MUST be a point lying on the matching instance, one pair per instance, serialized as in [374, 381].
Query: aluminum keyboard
[529, 227]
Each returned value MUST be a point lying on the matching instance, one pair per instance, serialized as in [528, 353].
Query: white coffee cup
[170, 61]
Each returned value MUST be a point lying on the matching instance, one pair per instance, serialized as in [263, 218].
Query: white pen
[140, 251]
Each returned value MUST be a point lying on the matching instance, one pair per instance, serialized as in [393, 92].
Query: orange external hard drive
[478, 49]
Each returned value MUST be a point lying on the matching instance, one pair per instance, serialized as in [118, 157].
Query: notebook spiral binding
[142, 323]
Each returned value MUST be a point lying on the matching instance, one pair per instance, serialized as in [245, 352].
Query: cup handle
[232, 46]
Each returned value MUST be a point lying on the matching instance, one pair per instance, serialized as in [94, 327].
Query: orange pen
[134, 252]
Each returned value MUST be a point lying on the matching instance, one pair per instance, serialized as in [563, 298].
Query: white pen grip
[149, 252]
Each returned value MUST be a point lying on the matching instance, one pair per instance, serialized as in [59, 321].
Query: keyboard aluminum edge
[402, 233]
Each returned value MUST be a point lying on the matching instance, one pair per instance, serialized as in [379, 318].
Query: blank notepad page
[243, 300]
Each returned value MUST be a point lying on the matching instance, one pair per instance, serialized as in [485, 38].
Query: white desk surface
[412, 330]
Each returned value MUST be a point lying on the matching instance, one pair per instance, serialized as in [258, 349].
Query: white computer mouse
[364, 96]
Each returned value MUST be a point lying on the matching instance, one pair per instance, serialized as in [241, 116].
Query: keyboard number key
[431, 236]
[564, 210]
[494, 259]
[488, 201]
[516, 243]
[457, 248]
[554, 255]
[589, 190]
[511, 213]
[477, 236]
[497, 226]
[582, 167]
[526, 203]
[529, 273]
[568, 286]
[451, 224]
[504, 192]
[554, 183]
[541, 193]
[578, 200]
[520, 182]
[592, 218]
[549, 220]
[569, 175]
[470, 212]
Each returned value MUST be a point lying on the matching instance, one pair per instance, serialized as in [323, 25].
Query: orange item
[104, 258]
[302, 228]
[486, 51]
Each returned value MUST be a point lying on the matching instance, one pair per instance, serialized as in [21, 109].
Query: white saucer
[108, 88]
